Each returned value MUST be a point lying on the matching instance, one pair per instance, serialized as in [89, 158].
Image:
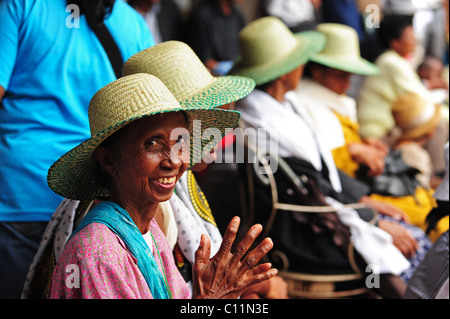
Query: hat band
[423, 118]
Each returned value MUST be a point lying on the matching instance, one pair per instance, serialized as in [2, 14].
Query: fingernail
[269, 243]
[234, 224]
[256, 228]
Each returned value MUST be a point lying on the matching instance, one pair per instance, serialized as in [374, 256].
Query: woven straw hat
[115, 106]
[414, 116]
[269, 49]
[180, 69]
[342, 50]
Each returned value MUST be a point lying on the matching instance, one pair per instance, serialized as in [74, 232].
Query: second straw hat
[268, 49]
[180, 69]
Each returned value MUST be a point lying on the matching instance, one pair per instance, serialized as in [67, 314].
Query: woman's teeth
[166, 180]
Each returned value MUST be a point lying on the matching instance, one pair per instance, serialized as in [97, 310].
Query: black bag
[398, 178]
[315, 243]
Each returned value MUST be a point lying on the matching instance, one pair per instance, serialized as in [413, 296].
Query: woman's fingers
[260, 273]
[253, 257]
[228, 238]
[203, 252]
[246, 243]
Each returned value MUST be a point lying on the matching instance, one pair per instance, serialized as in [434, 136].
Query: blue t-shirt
[50, 72]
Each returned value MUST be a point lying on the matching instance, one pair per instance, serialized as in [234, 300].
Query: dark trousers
[19, 242]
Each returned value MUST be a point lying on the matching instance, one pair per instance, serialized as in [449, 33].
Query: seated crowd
[174, 153]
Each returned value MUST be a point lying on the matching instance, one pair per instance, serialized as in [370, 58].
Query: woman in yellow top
[336, 116]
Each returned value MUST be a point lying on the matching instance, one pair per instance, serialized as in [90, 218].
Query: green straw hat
[184, 74]
[269, 49]
[116, 105]
[342, 50]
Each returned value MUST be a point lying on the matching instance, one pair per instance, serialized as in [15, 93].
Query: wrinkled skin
[228, 275]
[147, 152]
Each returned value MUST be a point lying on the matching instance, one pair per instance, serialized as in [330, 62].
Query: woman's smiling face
[149, 158]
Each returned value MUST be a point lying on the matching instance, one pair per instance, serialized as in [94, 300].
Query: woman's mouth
[166, 182]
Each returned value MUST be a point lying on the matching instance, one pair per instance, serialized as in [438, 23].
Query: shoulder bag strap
[111, 48]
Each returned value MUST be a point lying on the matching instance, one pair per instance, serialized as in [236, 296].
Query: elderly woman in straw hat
[172, 61]
[323, 92]
[142, 142]
[186, 216]
[274, 57]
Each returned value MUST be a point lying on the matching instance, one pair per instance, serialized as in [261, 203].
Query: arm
[378, 144]
[274, 288]
[386, 209]
[402, 238]
[2, 92]
[369, 156]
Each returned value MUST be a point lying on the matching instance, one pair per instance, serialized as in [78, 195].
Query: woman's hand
[386, 209]
[401, 237]
[227, 275]
[369, 156]
[378, 144]
[274, 288]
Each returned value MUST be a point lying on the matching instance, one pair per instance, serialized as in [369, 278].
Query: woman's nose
[176, 157]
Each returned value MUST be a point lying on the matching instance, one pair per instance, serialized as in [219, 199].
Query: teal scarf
[119, 221]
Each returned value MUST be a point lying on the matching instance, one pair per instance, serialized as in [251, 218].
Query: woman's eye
[181, 139]
[151, 143]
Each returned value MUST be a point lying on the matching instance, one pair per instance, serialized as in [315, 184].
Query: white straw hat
[342, 50]
[268, 49]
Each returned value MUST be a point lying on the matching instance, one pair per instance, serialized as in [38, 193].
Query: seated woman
[142, 143]
[416, 122]
[175, 59]
[323, 92]
[334, 113]
[276, 64]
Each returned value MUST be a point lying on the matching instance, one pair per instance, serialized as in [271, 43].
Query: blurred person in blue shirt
[51, 64]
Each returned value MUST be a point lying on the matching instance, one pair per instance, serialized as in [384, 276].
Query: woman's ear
[106, 160]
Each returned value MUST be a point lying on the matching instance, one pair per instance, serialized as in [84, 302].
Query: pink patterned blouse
[95, 263]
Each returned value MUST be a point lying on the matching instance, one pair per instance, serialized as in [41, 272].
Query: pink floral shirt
[95, 263]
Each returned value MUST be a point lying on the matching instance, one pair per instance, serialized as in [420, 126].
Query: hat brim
[224, 90]
[425, 128]
[309, 43]
[73, 175]
[355, 66]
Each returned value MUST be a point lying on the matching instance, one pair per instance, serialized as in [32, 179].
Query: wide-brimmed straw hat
[342, 50]
[117, 105]
[414, 116]
[184, 74]
[268, 49]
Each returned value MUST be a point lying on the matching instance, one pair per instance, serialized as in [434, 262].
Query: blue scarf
[119, 221]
